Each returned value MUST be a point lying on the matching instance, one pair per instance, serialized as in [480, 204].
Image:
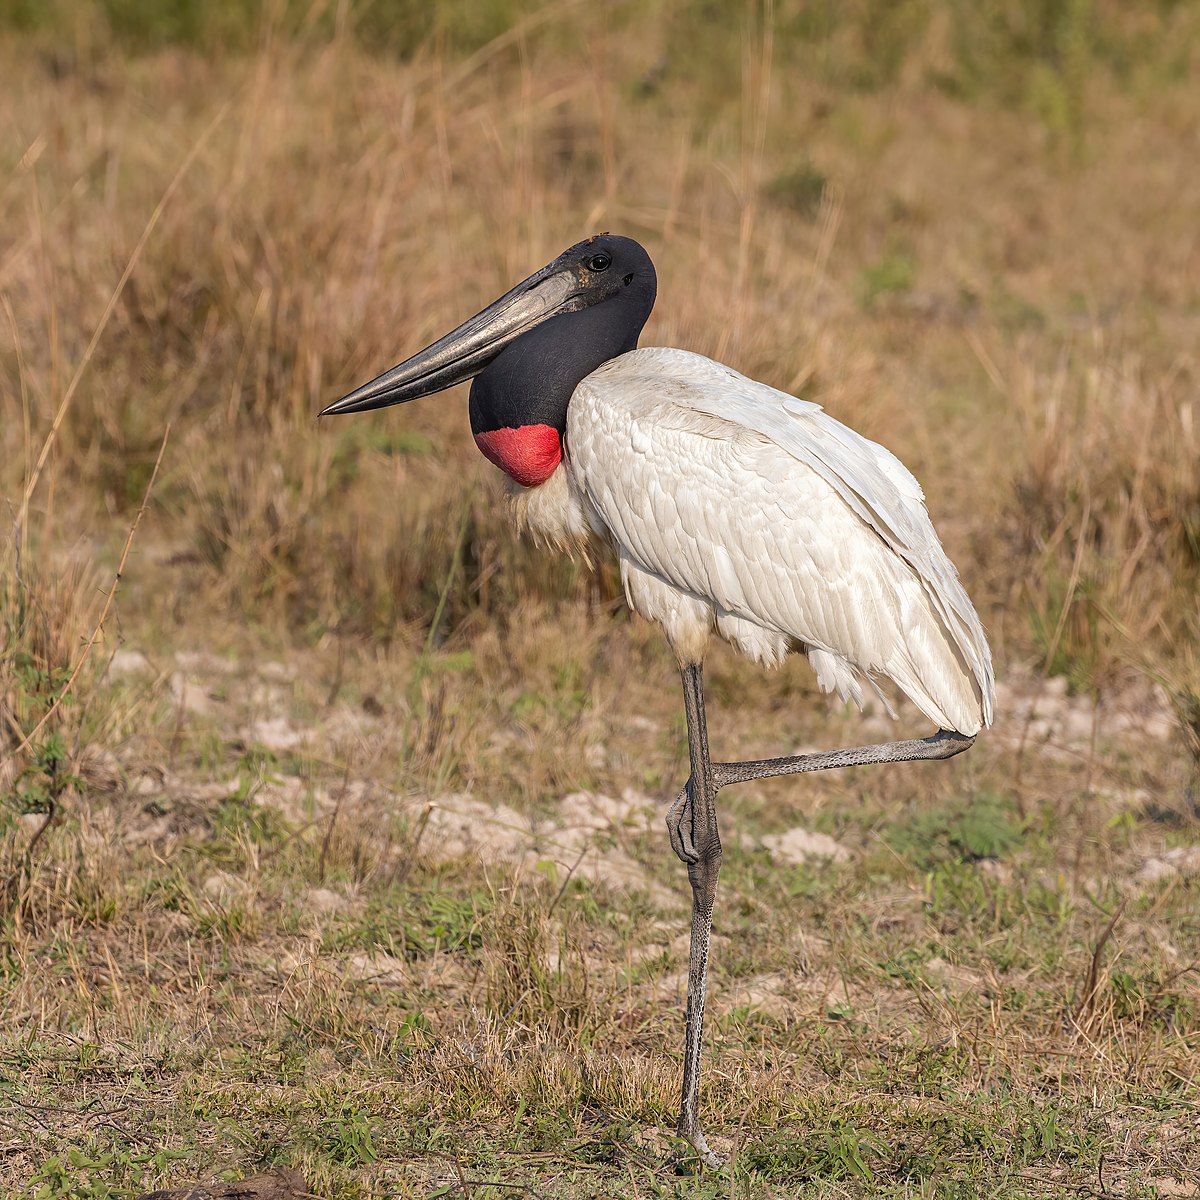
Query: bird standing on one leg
[732, 507]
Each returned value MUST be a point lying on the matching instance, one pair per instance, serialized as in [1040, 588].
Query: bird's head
[606, 280]
[528, 351]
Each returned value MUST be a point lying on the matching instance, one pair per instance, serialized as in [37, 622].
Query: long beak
[463, 353]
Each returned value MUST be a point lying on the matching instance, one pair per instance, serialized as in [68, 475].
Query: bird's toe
[679, 827]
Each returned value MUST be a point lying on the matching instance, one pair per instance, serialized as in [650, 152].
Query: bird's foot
[679, 826]
[683, 1162]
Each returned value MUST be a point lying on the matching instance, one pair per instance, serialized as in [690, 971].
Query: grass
[301, 854]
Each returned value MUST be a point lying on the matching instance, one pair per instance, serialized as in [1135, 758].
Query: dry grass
[247, 937]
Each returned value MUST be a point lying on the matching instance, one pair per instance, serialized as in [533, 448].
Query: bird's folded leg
[946, 743]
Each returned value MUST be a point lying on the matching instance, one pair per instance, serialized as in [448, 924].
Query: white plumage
[739, 508]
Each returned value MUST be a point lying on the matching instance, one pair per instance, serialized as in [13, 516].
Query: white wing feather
[764, 505]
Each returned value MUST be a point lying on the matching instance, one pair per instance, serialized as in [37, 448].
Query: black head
[606, 282]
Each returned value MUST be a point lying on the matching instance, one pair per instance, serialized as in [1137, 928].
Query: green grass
[908, 1030]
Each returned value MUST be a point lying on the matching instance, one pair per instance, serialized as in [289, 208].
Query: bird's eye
[599, 262]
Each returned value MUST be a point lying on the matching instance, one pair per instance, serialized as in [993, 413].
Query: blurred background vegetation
[965, 225]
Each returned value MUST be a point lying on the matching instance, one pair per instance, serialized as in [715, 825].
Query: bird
[734, 510]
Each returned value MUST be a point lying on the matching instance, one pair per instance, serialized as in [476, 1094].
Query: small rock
[800, 846]
[1175, 1187]
[220, 885]
[129, 662]
[326, 900]
[32, 822]
[276, 733]
[190, 696]
[1181, 860]
[592, 810]
[458, 826]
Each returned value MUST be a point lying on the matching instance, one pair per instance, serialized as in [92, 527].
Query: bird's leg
[943, 744]
[692, 823]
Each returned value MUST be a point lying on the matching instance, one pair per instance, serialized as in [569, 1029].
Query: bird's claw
[679, 826]
[685, 1163]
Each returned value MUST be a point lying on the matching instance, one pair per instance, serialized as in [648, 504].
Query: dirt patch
[584, 837]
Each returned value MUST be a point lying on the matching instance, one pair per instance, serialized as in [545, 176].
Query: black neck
[532, 380]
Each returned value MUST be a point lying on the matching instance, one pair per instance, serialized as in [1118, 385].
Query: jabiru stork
[732, 507]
